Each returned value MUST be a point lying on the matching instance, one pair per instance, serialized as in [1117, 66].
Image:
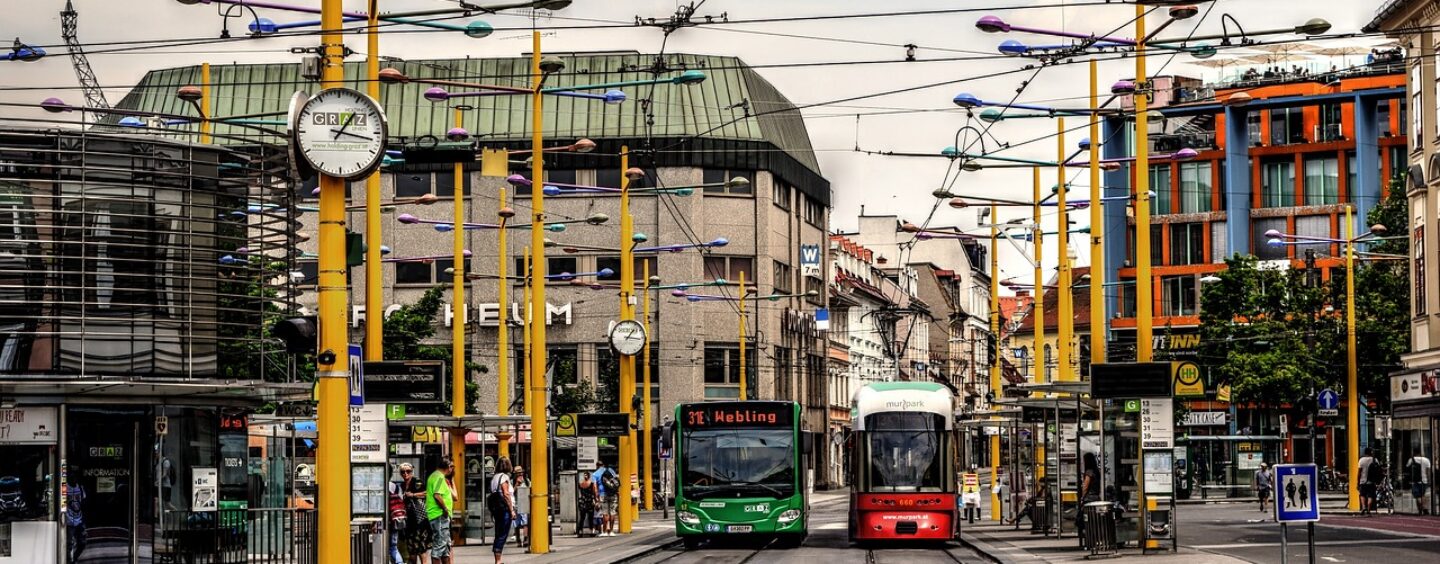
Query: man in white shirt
[1418, 469]
[1367, 487]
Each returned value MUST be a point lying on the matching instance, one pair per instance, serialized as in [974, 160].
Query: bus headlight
[789, 515]
[687, 517]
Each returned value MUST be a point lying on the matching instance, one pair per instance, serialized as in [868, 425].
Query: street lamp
[24, 53]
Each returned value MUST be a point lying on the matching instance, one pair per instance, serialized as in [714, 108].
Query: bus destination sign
[749, 414]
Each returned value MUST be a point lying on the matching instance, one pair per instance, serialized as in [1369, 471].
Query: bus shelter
[1065, 430]
[476, 471]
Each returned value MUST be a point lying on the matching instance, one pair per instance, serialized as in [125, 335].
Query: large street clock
[340, 132]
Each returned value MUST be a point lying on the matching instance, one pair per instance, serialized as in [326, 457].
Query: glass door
[109, 476]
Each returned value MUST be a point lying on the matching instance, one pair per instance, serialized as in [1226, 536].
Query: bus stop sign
[1296, 498]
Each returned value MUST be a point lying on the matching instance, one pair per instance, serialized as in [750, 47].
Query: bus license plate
[738, 529]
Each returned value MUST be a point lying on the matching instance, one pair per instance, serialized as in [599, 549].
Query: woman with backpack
[501, 503]
[416, 537]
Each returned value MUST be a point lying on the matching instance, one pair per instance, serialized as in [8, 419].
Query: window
[613, 263]
[1329, 128]
[1397, 163]
[814, 284]
[781, 194]
[426, 273]
[1277, 184]
[721, 176]
[411, 184]
[1253, 128]
[610, 178]
[1287, 125]
[1322, 181]
[1351, 178]
[1195, 187]
[1160, 185]
[1436, 86]
[565, 362]
[784, 278]
[553, 266]
[1179, 298]
[729, 268]
[1382, 111]
[1313, 226]
[608, 371]
[1187, 243]
[1417, 117]
[722, 370]
[1219, 248]
[1156, 244]
[814, 212]
[1417, 247]
[445, 184]
[561, 176]
[309, 271]
[1258, 240]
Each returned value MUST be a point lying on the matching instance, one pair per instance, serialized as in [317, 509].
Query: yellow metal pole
[205, 103]
[457, 332]
[1097, 228]
[1352, 395]
[374, 281]
[995, 358]
[1038, 312]
[539, 455]
[525, 332]
[1144, 287]
[333, 411]
[627, 362]
[502, 346]
[1066, 318]
[1038, 308]
[744, 395]
[647, 494]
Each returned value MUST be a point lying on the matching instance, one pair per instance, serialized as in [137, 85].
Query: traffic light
[354, 249]
[667, 436]
[299, 334]
[992, 350]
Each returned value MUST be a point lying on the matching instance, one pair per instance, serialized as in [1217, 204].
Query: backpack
[1375, 473]
[495, 503]
[612, 483]
[398, 513]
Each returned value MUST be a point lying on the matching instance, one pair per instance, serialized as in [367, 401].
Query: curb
[985, 549]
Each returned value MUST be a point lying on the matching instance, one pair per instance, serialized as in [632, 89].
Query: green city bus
[739, 471]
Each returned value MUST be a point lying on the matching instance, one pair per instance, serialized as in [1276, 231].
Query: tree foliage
[1277, 335]
[408, 332]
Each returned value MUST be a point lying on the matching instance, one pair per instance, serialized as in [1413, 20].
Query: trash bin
[1040, 517]
[1100, 527]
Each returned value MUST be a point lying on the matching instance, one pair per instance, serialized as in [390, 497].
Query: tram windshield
[905, 452]
[744, 462]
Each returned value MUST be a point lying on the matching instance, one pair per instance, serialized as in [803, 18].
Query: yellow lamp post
[627, 362]
[648, 494]
[457, 330]
[1097, 228]
[1066, 318]
[1144, 286]
[374, 296]
[995, 357]
[744, 385]
[333, 411]
[539, 455]
[1352, 394]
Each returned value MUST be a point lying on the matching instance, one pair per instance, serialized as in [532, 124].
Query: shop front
[1415, 398]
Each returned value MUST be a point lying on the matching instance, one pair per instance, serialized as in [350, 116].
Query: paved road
[1242, 531]
[826, 544]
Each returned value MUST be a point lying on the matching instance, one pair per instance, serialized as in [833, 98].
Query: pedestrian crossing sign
[1296, 497]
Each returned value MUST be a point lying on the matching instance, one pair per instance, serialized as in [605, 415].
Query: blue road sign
[1328, 399]
[1296, 497]
[357, 375]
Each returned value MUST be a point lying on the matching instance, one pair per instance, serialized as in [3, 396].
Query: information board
[367, 433]
[587, 453]
[1157, 423]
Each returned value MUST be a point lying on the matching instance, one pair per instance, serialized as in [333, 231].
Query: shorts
[1417, 489]
[611, 505]
[1367, 490]
[440, 537]
[1264, 493]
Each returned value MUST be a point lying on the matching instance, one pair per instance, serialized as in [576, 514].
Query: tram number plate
[738, 529]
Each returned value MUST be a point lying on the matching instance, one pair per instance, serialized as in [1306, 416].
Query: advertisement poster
[204, 489]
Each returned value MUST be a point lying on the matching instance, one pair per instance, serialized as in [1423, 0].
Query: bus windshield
[905, 452]
[738, 463]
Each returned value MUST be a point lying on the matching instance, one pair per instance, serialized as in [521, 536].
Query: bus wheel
[790, 541]
[691, 543]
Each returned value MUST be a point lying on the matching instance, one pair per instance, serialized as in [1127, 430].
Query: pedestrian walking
[501, 503]
[1418, 467]
[439, 509]
[608, 483]
[522, 506]
[1262, 484]
[1368, 485]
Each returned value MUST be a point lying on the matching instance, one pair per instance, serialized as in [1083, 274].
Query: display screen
[738, 414]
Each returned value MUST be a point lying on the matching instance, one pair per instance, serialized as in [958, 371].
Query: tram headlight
[687, 517]
[789, 515]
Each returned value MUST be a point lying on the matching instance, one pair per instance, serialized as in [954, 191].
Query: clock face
[628, 337]
[341, 132]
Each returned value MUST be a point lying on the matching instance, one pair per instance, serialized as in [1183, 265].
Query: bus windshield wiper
[770, 489]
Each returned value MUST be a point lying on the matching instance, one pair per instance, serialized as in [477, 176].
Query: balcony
[1329, 132]
[1171, 142]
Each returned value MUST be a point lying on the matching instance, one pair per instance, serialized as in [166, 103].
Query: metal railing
[226, 536]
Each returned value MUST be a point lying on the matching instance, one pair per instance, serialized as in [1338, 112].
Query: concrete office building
[733, 124]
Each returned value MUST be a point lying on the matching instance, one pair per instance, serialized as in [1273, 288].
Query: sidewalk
[650, 532]
[1005, 545]
[1428, 525]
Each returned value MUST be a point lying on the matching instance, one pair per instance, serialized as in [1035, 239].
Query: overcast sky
[919, 121]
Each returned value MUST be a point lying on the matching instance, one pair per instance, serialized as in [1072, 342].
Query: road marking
[1317, 543]
[833, 526]
[1331, 559]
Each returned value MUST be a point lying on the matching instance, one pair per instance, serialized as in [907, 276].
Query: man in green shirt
[439, 505]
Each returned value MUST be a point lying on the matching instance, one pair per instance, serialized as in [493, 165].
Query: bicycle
[1385, 497]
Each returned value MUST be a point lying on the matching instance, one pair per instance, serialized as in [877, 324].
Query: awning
[107, 389]
[1230, 438]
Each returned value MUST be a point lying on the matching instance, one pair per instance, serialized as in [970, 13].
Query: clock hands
[341, 131]
[344, 125]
